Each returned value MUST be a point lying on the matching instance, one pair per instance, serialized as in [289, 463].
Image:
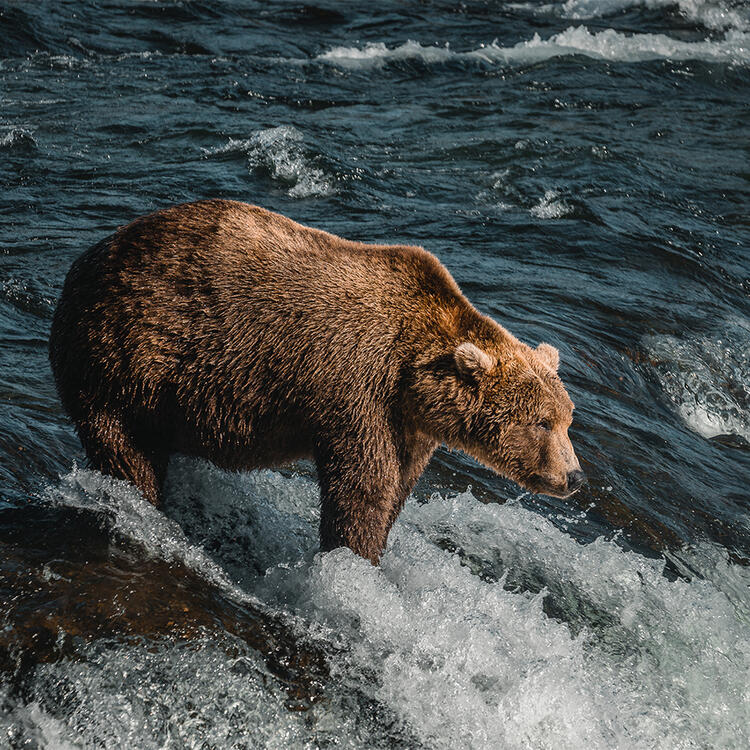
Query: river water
[582, 169]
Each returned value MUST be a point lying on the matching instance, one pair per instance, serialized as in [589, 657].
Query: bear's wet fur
[221, 330]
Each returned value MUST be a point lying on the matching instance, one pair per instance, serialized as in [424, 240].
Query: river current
[583, 170]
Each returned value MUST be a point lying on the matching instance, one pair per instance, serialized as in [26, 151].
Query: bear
[220, 330]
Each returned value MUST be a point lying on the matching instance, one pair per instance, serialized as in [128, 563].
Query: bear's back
[202, 299]
[229, 248]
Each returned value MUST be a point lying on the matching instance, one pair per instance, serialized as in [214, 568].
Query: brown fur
[222, 330]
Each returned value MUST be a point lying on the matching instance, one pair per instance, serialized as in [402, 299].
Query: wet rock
[64, 583]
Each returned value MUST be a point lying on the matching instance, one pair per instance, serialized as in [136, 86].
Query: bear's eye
[544, 425]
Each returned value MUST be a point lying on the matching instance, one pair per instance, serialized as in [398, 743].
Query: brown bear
[221, 330]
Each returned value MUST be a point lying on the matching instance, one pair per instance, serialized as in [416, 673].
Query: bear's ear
[549, 355]
[472, 361]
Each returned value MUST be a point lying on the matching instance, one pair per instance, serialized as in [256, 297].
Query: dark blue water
[583, 170]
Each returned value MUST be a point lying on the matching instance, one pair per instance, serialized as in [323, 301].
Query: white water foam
[462, 660]
[140, 522]
[280, 152]
[603, 45]
[707, 378]
[17, 137]
[550, 206]
[709, 14]
[167, 696]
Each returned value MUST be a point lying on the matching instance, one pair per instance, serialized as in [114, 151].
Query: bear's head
[505, 405]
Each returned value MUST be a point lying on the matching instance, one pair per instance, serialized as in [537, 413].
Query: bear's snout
[576, 480]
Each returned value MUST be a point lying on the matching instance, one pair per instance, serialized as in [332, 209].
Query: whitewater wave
[18, 138]
[603, 45]
[280, 153]
[116, 696]
[140, 522]
[458, 647]
[707, 378]
[550, 206]
[709, 14]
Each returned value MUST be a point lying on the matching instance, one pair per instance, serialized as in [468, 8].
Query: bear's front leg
[359, 487]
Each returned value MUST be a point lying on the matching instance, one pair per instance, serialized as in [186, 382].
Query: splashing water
[707, 378]
[279, 152]
[454, 648]
[550, 206]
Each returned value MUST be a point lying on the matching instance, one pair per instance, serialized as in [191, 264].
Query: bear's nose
[576, 480]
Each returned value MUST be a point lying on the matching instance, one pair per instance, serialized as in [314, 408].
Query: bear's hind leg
[113, 451]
